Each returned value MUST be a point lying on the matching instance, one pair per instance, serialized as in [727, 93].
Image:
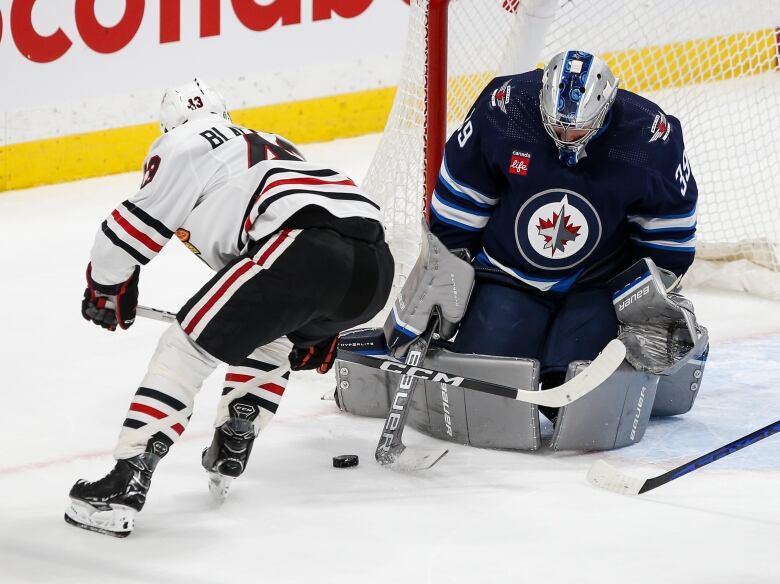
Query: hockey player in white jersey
[299, 255]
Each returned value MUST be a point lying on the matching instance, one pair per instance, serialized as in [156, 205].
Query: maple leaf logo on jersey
[556, 232]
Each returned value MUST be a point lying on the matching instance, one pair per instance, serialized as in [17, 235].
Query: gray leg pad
[613, 415]
[451, 413]
[677, 392]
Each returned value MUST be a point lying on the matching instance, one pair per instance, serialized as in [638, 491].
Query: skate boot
[109, 505]
[228, 454]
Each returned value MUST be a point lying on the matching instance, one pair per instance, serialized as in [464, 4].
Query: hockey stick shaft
[391, 444]
[155, 314]
[710, 457]
[595, 374]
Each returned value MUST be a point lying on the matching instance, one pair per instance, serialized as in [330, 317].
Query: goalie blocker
[666, 353]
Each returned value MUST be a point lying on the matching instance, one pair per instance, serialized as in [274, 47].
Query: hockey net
[711, 63]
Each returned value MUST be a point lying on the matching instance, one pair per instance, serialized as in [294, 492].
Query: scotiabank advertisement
[100, 60]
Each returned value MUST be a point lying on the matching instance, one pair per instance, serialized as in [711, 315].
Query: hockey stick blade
[412, 458]
[155, 314]
[586, 381]
[605, 476]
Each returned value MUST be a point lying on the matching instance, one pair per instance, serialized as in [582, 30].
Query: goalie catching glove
[107, 306]
[657, 325]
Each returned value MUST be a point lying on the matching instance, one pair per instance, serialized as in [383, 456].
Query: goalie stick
[587, 380]
[604, 475]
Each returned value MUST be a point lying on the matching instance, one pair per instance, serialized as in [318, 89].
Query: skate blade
[219, 485]
[116, 522]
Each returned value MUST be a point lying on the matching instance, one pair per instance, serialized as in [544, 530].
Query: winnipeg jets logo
[500, 96]
[557, 229]
[660, 128]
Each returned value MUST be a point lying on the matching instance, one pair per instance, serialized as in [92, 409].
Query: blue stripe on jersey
[684, 245]
[462, 189]
[543, 284]
[652, 230]
[453, 222]
[478, 212]
[662, 223]
[450, 190]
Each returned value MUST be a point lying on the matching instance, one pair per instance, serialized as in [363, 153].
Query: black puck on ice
[345, 460]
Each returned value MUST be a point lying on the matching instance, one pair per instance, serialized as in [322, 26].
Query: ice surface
[477, 517]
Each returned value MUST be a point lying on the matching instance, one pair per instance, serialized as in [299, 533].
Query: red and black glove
[319, 356]
[108, 306]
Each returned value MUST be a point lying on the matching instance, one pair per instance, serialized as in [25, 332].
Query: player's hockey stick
[608, 477]
[391, 450]
[586, 381]
[595, 374]
[155, 314]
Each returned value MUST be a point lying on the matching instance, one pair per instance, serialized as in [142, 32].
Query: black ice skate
[109, 505]
[228, 454]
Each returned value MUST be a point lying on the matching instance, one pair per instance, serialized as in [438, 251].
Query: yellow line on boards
[117, 150]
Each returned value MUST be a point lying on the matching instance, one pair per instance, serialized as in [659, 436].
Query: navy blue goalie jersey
[503, 194]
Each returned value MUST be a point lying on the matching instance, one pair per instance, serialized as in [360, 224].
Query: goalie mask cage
[711, 63]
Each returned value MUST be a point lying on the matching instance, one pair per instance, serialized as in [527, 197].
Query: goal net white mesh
[711, 63]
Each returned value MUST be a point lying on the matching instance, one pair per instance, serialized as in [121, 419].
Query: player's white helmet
[577, 91]
[186, 102]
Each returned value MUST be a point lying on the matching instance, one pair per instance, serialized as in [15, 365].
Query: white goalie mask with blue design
[578, 90]
[189, 101]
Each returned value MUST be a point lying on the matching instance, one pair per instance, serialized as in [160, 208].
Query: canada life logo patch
[519, 163]
[557, 229]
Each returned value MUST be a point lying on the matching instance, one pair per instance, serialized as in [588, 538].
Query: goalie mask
[186, 102]
[577, 91]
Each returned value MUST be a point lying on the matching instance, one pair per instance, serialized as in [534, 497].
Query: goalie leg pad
[478, 419]
[677, 392]
[613, 415]
[451, 413]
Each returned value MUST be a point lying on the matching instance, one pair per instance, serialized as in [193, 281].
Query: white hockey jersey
[218, 187]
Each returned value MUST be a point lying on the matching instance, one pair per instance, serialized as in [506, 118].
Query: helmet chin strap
[570, 156]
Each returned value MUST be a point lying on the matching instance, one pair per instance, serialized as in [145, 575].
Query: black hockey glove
[319, 356]
[108, 306]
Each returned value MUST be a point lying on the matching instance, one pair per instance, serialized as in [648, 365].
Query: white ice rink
[477, 517]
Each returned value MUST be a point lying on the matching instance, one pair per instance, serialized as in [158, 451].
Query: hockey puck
[345, 460]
